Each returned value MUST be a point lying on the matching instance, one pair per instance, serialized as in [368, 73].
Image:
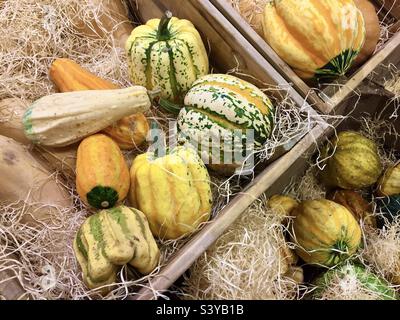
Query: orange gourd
[67, 75]
[372, 30]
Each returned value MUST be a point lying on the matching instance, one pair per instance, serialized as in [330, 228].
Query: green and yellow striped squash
[326, 233]
[318, 38]
[102, 175]
[355, 162]
[173, 191]
[113, 238]
[224, 107]
[389, 183]
[168, 55]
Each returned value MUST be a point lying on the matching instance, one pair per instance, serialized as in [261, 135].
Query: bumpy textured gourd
[370, 282]
[67, 75]
[168, 55]
[112, 238]
[326, 233]
[355, 163]
[316, 38]
[355, 203]
[173, 191]
[223, 107]
[389, 183]
[64, 118]
[102, 175]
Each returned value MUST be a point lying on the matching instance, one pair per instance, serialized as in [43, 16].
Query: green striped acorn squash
[168, 55]
[371, 285]
[316, 38]
[355, 163]
[112, 238]
[326, 233]
[223, 107]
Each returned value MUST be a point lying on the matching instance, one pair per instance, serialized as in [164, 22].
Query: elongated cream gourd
[64, 118]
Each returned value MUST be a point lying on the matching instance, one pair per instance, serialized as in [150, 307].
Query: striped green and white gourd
[221, 106]
[168, 55]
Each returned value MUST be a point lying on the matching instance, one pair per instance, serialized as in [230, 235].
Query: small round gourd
[353, 162]
[326, 233]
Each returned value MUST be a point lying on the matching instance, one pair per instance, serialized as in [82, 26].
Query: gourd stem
[163, 31]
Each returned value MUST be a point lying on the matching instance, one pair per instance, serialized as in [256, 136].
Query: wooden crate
[226, 43]
[332, 99]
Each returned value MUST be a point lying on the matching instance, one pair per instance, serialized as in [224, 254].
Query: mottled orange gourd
[129, 132]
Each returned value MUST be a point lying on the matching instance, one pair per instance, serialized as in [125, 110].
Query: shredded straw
[249, 261]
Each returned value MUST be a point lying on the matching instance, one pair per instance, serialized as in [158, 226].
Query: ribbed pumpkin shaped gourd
[366, 284]
[62, 119]
[389, 183]
[173, 191]
[326, 232]
[219, 114]
[129, 132]
[315, 37]
[355, 163]
[168, 55]
[102, 175]
[112, 238]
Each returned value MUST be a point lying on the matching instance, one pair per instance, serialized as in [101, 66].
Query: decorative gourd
[113, 238]
[27, 182]
[60, 159]
[372, 28]
[224, 107]
[67, 75]
[316, 38]
[168, 55]
[389, 183]
[102, 175]
[374, 286]
[282, 205]
[326, 232]
[355, 203]
[173, 191]
[355, 163]
[64, 118]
